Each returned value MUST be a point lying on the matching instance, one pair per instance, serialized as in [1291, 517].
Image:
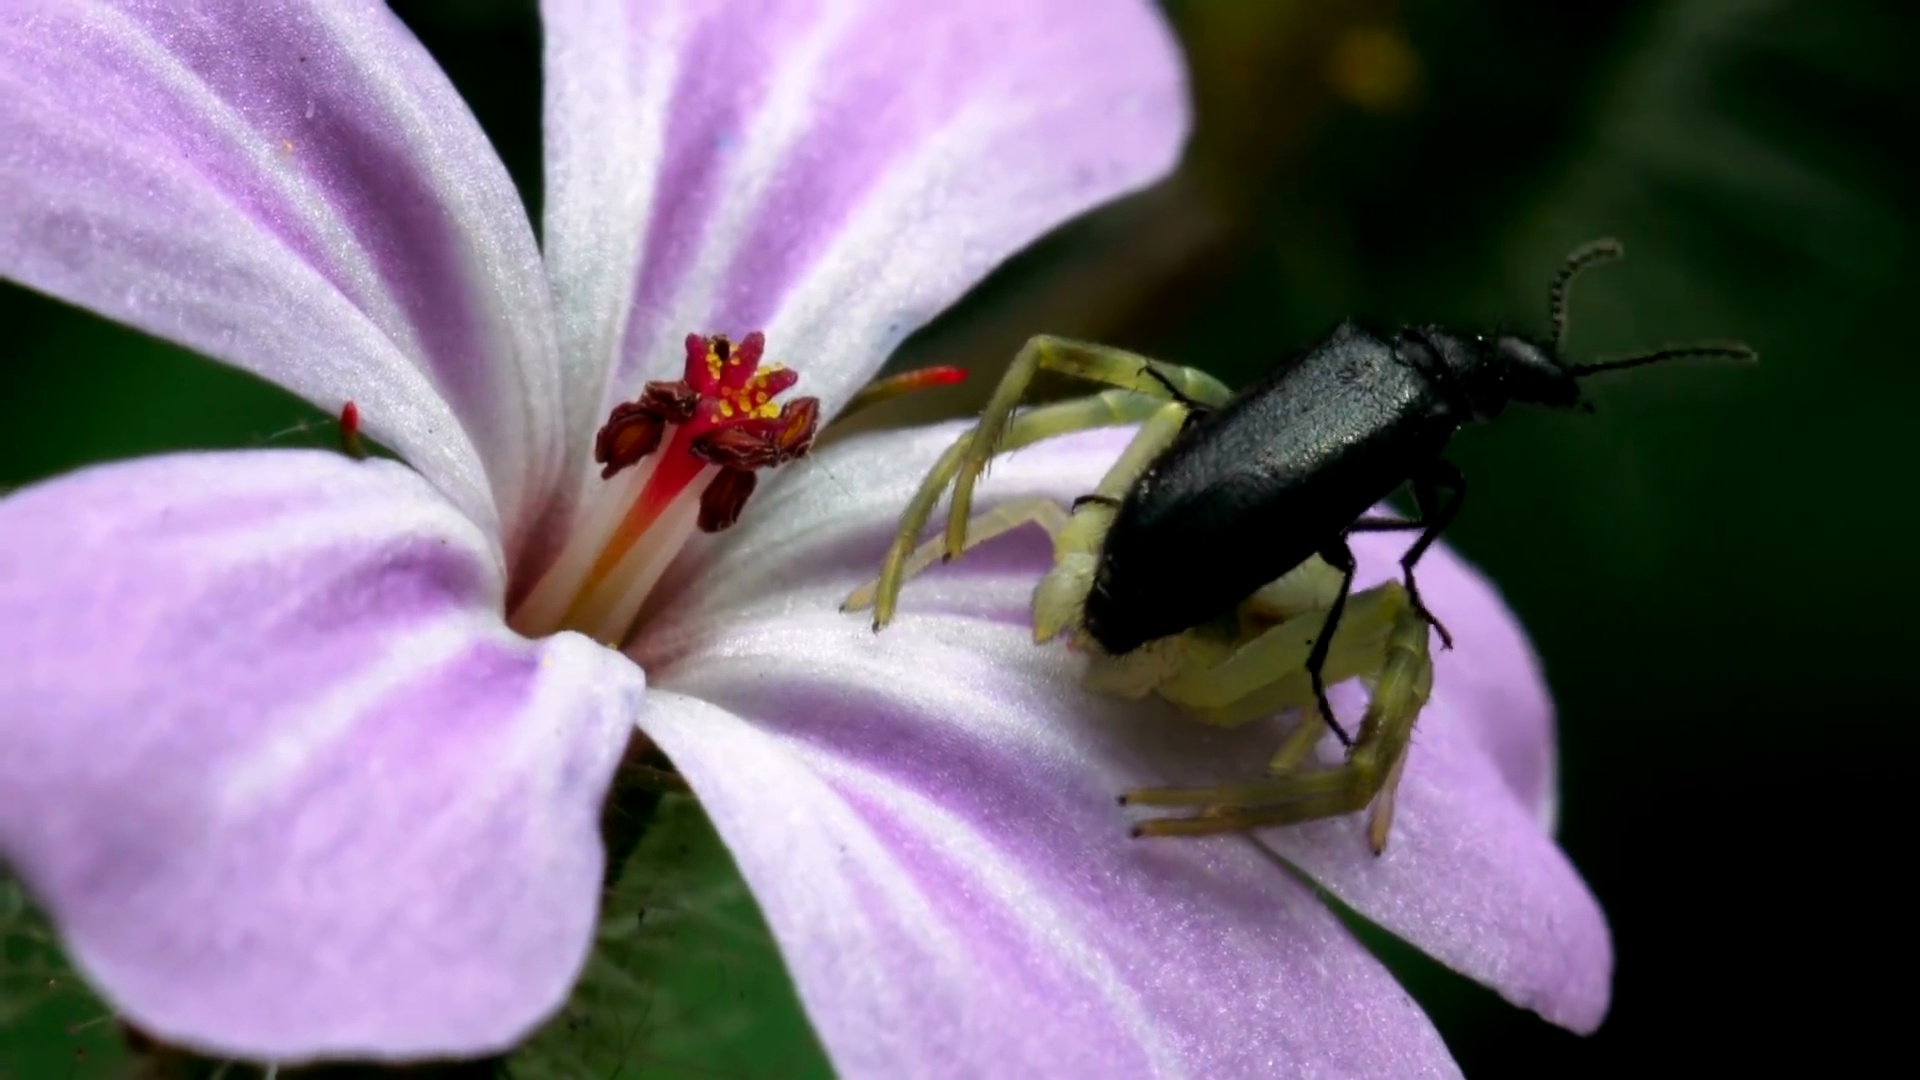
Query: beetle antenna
[1583, 257]
[1731, 350]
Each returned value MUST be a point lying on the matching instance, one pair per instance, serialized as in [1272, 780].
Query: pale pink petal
[831, 173]
[1472, 875]
[293, 187]
[954, 893]
[286, 784]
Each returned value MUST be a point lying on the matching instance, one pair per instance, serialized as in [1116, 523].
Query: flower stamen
[719, 424]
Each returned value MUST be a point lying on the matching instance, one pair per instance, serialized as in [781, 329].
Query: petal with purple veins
[293, 188]
[832, 173]
[950, 889]
[285, 782]
[1474, 815]
[1471, 876]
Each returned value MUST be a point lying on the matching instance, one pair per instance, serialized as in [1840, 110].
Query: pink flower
[305, 755]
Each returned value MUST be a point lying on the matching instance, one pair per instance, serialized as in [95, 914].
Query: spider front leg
[1072, 530]
[1137, 376]
[1096, 363]
[1004, 518]
[1383, 638]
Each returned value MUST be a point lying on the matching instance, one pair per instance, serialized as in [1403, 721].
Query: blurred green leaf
[684, 980]
[51, 1025]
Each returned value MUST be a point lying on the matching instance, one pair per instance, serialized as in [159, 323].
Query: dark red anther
[350, 443]
[724, 413]
[673, 402]
[632, 432]
[721, 503]
[739, 446]
[799, 419]
[762, 444]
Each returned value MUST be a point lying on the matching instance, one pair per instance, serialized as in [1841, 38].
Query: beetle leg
[1436, 516]
[1369, 775]
[1107, 409]
[1097, 363]
[1339, 556]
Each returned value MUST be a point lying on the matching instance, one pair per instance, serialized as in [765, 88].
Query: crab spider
[1240, 666]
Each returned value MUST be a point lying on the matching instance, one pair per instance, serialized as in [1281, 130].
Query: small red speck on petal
[350, 443]
[906, 382]
[931, 376]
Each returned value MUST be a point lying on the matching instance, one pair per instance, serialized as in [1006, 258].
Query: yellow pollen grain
[726, 409]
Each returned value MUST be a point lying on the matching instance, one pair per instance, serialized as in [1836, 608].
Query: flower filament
[680, 456]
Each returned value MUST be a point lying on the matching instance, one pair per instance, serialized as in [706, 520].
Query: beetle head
[1528, 371]
[1482, 375]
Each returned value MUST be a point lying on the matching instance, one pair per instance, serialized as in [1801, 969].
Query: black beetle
[1288, 467]
[1253, 484]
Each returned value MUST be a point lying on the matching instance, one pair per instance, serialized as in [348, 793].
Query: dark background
[1713, 565]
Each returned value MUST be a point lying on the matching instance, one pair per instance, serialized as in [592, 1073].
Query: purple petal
[286, 783]
[292, 187]
[955, 895]
[1493, 677]
[1471, 876]
[831, 173]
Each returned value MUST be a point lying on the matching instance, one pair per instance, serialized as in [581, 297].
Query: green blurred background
[1706, 564]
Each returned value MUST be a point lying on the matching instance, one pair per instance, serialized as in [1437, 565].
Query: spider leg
[1062, 594]
[1004, 518]
[1402, 673]
[1140, 385]
[1077, 532]
[1095, 363]
[1259, 675]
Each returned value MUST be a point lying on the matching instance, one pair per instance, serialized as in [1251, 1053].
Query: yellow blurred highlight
[1375, 68]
